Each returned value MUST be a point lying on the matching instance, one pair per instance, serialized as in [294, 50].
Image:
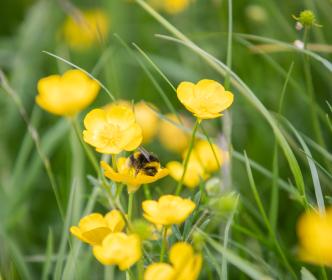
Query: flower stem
[130, 206]
[310, 92]
[164, 243]
[147, 191]
[186, 160]
[87, 150]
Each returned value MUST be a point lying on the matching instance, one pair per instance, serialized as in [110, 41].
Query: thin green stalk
[274, 201]
[35, 137]
[164, 243]
[147, 192]
[186, 160]
[229, 43]
[266, 219]
[311, 91]
[130, 206]
[87, 150]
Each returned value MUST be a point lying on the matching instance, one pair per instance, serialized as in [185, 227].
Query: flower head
[119, 249]
[206, 99]
[210, 156]
[85, 29]
[307, 18]
[112, 131]
[93, 228]
[170, 6]
[129, 176]
[315, 236]
[194, 173]
[185, 265]
[168, 210]
[68, 94]
[172, 137]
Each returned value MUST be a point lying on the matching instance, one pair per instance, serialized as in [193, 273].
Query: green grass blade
[49, 253]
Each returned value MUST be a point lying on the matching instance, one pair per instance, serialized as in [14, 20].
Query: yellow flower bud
[93, 228]
[112, 131]
[85, 29]
[206, 99]
[307, 18]
[314, 231]
[68, 94]
[119, 249]
[168, 210]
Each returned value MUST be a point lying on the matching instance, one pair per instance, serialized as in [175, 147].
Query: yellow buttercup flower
[68, 94]
[186, 265]
[148, 121]
[119, 249]
[85, 29]
[168, 210]
[315, 236]
[210, 156]
[129, 176]
[172, 137]
[206, 99]
[112, 131]
[160, 271]
[194, 174]
[93, 228]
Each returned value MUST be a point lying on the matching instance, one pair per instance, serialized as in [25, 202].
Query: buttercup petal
[160, 271]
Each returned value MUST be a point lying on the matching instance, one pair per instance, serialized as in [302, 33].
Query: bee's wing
[145, 153]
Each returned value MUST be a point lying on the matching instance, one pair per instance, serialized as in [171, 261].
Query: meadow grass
[277, 135]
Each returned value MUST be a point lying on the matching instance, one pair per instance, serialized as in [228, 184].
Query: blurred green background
[28, 209]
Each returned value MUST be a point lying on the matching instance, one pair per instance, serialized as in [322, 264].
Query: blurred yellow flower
[112, 131]
[194, 174]
[85, 29]
[206, 99]
[170, 6]
[119, 249]
[68, 94]
[186, 265]
[93, 228]
[148, 121]
[128, 175]
[315, 237]
[210, 156]
[168, 210]
[172, 137]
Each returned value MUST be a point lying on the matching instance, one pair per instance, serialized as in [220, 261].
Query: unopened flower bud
[299, 44]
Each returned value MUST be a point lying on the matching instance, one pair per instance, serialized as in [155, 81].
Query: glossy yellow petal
[91, 229]
[135, 135]
[186, 263]
[120, 115]
[160, 271]
[119, 249]
[115, 221]
[191, 178]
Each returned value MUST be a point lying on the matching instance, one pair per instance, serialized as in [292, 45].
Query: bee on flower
[138, 169]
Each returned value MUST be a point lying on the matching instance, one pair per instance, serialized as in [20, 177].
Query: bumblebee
[145, 162]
